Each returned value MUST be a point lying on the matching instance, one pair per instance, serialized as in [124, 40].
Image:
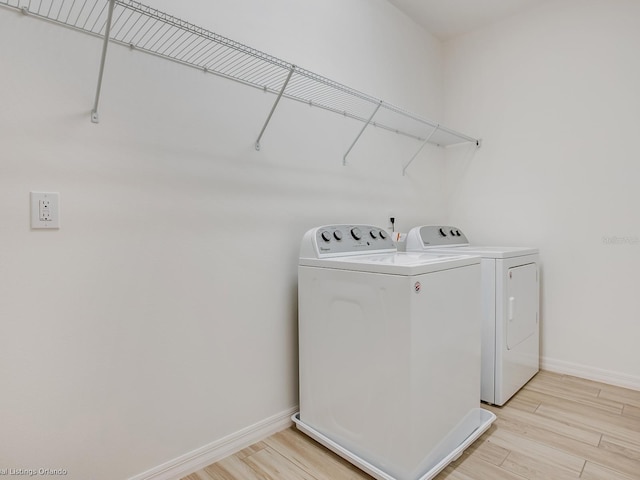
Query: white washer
[389, 354]
[510, 306]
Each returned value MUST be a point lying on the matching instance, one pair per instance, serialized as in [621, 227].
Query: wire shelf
[149, 30]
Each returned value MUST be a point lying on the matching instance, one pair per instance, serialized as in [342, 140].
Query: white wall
[162, 316]
[554, 94]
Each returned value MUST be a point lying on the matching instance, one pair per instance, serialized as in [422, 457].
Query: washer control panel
[442, 235]
[342, 239]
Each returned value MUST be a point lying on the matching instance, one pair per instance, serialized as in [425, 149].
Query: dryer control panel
[431, 235]
[347, 240]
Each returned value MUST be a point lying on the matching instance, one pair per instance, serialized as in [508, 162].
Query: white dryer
[389, 354]
[510, 308]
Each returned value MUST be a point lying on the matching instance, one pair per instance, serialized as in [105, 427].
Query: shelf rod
[404, 169]
[275, 104]
[107, 32]
[344, 158]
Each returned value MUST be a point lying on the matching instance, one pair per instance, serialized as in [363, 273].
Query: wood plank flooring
[557, 427]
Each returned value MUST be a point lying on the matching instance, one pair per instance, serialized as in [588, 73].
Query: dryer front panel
[522, 304]
[517, 352]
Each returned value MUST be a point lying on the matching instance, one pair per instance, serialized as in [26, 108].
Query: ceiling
[448, 18]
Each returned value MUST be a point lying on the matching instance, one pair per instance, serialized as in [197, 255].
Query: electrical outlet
[45, 210]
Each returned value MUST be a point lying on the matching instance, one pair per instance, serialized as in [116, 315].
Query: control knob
[356, 233]
[326, 236]
[373, 234]
[442, 232]
[337, 235]
[383, 235]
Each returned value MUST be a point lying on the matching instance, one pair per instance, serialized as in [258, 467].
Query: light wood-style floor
[557, 427]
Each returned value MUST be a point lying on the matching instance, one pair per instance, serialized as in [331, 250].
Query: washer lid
[486, 252]
[401, 263]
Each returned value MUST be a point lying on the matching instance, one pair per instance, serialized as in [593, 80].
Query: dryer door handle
[511, 308]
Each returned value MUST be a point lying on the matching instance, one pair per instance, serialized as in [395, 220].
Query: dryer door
[522, 304]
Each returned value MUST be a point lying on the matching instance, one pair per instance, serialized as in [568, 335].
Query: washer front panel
[377, 359]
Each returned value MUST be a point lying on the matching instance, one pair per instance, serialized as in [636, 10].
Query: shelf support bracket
[404, 169]
[275, 104]
[107, 33]
[344, 158]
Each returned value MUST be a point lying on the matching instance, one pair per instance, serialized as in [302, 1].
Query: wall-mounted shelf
[143, 28]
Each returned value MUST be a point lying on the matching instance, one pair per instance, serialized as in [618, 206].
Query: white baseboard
[217, 450]
[590, 373]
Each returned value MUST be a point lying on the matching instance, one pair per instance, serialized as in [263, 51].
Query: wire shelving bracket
[140, 27]
[367, 123]
[275, 104]
[95, 118]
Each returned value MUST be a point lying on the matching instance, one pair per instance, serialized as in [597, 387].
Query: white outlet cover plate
[53, 198]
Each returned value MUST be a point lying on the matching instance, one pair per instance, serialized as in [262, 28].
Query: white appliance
[389, 352]
[510, 308]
